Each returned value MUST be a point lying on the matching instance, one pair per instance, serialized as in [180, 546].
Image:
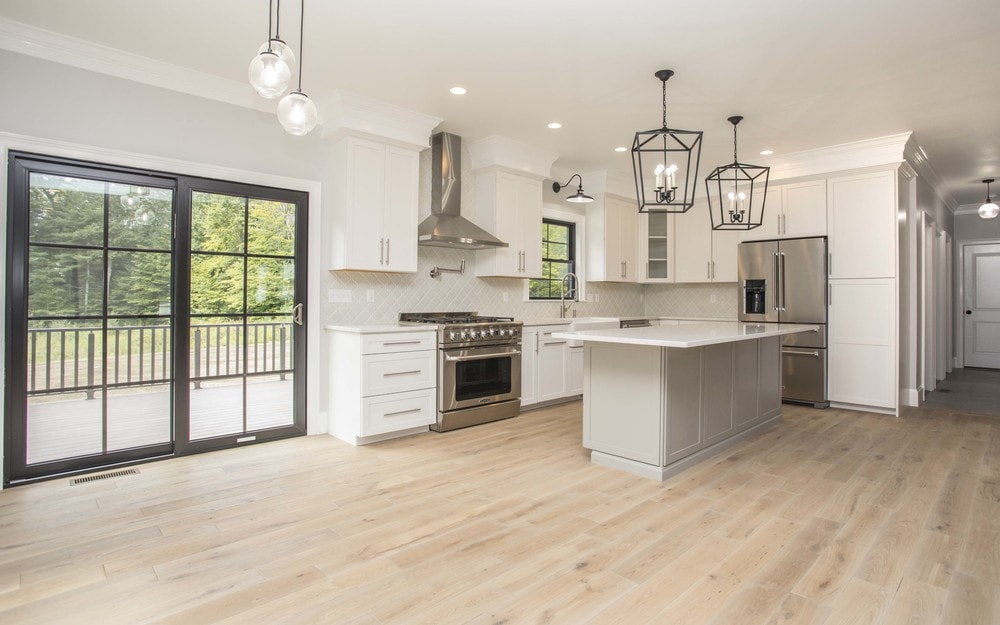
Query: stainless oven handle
[794, 353]
[513, 352]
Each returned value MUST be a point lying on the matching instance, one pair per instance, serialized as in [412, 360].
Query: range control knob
[465, 335]
[513, 332]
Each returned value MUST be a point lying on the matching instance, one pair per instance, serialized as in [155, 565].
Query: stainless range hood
[446, 227]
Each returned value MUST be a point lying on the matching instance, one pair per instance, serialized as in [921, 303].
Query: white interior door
[927, 307]
[981, 268]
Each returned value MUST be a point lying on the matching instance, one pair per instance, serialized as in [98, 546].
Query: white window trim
[580, 223]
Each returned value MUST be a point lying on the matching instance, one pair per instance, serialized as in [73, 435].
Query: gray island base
[658, 400]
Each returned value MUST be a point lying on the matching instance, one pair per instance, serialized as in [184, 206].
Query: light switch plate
[370, 295]
[339, 296]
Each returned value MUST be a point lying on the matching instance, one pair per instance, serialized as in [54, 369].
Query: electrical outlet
[506, 296]
[339, 296]
[370, 295]
[711, 298]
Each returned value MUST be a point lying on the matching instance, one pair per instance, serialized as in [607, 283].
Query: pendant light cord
[277, 22]
[735, 159]
[664, 104]
[302, 25]
[270, 14]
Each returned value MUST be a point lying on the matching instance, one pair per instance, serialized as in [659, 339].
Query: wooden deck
[64, 426]
[833, 517]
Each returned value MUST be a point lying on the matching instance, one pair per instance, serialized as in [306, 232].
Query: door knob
[968, 312]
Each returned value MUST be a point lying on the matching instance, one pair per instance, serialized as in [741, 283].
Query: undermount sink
[590, 323]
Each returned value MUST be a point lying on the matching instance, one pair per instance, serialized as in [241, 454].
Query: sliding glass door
[146, 317]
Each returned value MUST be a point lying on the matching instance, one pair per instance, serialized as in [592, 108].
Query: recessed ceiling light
[621, 148]
[766, 152]
[555, 125]
[459, 90]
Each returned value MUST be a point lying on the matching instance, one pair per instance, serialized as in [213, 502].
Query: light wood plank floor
[834, 517]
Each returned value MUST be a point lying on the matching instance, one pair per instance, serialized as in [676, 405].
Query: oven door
[476, 376]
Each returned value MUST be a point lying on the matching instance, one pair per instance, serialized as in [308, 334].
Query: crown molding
[497, 151]
[845, 156]
[346, 113]
[47, 45]
[917, 159]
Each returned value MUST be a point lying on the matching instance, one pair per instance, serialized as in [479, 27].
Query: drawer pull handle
[791, 353]
[401, 412]
[387, 343]
[392, 373]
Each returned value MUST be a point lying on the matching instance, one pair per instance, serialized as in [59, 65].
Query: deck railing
[71, 359]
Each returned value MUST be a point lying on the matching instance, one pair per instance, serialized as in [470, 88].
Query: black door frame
[20, 165]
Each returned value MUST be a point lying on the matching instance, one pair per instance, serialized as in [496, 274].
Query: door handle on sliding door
[297, 314]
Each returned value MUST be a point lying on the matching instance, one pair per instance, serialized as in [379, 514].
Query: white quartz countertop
[689, 335]
[381, 329]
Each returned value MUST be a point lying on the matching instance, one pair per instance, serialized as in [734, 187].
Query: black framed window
[558, 259]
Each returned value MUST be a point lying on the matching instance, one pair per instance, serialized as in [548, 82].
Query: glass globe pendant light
[269, 75]
[296, 112]
[989, 210]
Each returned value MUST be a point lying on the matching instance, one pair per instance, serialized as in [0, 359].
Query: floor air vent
[103, 476]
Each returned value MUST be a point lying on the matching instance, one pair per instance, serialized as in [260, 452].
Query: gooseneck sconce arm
[579, 197]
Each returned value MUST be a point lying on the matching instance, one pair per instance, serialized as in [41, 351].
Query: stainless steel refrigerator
[785, 281]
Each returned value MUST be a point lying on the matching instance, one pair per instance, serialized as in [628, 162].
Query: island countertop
[689, 335]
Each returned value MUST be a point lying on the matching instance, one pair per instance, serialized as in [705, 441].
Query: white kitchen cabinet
[703, 254]
[381, 385]
[509, 206]
[862, 222]
[792, 210]
[550, 368]
[862, 339]
[611, 240]
[553, 371]
[374, 215]
[574, 370]
[655, 247]
[529, 359]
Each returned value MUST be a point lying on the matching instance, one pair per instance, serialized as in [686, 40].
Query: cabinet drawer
[398, 342]
[394, 373]
[399, 411]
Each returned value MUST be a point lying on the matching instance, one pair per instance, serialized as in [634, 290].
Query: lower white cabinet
[550, 368]
[862, 330]
[381, 384]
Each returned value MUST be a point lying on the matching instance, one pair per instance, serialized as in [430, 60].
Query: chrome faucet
[570, 290]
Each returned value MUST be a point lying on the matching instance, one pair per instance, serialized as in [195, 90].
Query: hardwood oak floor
[833, 517]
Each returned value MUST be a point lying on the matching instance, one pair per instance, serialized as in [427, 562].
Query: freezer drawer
[803, 375]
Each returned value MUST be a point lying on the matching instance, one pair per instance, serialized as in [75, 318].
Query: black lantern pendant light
[737, 192]
[665, 163]
[579, 197]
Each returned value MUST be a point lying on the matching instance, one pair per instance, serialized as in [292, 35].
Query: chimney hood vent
[446, 227]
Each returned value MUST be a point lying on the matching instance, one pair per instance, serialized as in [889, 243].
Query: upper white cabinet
[861, 214]
[611, 240]
[703, 254]
[656, 247]
[792, 210]
[509, 206]
[374, 216]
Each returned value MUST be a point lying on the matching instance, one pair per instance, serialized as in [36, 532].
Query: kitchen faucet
[565, 290]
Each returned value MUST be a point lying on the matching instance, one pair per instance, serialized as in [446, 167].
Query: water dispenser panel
[753, 297]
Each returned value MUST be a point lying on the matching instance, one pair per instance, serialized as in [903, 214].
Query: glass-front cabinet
[654, 241]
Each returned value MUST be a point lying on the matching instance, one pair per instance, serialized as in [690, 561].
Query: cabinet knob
[968, 312]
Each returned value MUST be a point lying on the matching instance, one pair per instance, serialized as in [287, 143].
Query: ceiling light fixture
[737, 192]
[577, 198]
[555, 125]
[269, 74]
[296, 112]
[989, 210]
[766, 152]
[458, 91]
[621, 148]
[658, 156]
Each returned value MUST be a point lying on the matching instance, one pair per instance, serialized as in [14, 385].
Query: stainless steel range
[479, 367]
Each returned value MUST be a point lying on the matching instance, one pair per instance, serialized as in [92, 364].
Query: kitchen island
[657, 400]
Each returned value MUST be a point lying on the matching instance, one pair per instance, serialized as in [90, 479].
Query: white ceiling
[804, 73]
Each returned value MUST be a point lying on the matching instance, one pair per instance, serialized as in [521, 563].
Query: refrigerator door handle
[782, 256]
[777, 287]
